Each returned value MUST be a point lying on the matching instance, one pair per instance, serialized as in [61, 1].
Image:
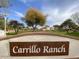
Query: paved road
[73, 51]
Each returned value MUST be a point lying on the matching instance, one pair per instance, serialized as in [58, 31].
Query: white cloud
[16, 13]
[72, 9]
[57, 16]
[26, 1]
[19, 14]
[53, 15]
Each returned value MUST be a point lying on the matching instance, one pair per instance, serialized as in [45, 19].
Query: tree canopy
[68, 23]
[2, 22]
[34, 17]
[75, 17]
[16, 25]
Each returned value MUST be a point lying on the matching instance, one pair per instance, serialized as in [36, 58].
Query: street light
[4, 4]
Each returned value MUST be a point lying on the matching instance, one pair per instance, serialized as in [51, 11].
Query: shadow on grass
[13, 33]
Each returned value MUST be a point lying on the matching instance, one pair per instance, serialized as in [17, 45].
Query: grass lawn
[65, 33]
[74, 35]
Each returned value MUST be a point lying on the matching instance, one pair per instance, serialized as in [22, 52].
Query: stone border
[39, 33]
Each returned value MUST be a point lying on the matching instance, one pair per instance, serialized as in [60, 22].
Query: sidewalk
[4, 46]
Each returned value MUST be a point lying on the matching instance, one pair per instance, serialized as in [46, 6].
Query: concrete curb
[39, 33]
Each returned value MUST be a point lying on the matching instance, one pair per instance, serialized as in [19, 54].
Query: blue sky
[57, 10]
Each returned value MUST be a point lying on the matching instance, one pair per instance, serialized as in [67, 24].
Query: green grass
[59, 32]
[73, 34]
[65, 33]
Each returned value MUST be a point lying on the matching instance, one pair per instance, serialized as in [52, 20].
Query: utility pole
[4, 4]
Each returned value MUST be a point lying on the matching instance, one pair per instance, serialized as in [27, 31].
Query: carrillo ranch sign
[39, 48]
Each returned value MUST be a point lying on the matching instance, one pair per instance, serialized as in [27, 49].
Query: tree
[75, 17]
[56, 27]
[21, 25]
[68, 25]
[14, 24]
[34, 18]
[1, 22]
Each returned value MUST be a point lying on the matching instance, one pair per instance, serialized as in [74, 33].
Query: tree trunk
[16, 30]
[34, 28]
